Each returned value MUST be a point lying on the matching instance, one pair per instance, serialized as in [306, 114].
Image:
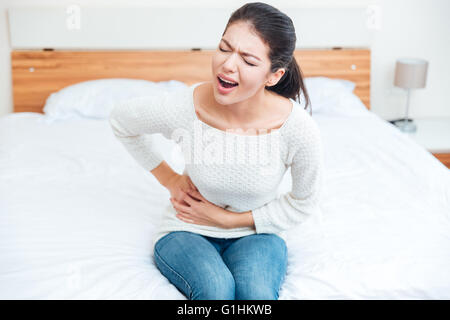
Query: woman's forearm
[241, 219]
[163, 173]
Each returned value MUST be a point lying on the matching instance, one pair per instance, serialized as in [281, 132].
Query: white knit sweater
[238, 172]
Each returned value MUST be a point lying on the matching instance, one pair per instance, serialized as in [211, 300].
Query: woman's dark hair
[277, 30]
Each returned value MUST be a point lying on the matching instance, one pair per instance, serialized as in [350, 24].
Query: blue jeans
[206, 268]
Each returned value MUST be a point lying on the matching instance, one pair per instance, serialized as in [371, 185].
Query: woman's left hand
[201, 211]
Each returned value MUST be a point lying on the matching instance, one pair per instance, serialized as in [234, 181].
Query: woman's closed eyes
[244, 60]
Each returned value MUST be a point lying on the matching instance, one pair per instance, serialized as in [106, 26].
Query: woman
[223, 236]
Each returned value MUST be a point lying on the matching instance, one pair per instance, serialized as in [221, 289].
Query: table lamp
[410, 73]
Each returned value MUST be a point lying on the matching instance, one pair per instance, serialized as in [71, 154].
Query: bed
[77, 213]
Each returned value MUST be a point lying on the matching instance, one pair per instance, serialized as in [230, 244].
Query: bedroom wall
[412, 28]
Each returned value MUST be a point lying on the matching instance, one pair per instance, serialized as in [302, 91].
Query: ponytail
[291, 84]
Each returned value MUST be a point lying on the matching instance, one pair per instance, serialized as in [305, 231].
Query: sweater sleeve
[294, 207]
[134, 120]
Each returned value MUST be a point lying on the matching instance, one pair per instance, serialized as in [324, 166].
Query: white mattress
[77, 215]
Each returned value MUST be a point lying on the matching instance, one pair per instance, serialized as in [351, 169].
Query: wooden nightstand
[434, 135]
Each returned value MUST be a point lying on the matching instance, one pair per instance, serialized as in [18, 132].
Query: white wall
[413, 28]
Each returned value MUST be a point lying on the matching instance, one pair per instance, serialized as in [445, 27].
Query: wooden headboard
[36, 74]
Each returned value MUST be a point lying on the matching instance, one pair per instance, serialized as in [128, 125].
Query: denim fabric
[205, 268]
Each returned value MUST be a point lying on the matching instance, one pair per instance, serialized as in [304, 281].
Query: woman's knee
[178, 236]
[256, 291]
[217, 285]
[274, 241]
[261, 274]
[194, 266]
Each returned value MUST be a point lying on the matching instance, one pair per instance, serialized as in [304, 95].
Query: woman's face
[244, 58]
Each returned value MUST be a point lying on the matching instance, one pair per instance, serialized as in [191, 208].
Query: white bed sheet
[77, 215]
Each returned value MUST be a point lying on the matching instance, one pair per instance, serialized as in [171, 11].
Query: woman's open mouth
[225, 87]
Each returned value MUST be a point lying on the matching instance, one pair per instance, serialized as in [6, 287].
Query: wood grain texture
[444, 158]
[36, 74]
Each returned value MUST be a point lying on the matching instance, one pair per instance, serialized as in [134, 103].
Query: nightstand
[434, 135]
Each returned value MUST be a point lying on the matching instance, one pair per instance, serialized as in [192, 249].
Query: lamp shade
[411, 73]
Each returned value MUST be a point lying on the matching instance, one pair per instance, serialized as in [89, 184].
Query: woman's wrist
[240, 219]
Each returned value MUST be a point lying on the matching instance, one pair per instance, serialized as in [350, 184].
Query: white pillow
[333, 96]
[96, 98]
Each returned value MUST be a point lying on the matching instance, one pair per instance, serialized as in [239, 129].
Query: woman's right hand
[179, 185]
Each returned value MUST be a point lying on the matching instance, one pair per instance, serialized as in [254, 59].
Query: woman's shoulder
[168, 107]
[166, 98]
[174, 99]
[302, 128]
[175, 103]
